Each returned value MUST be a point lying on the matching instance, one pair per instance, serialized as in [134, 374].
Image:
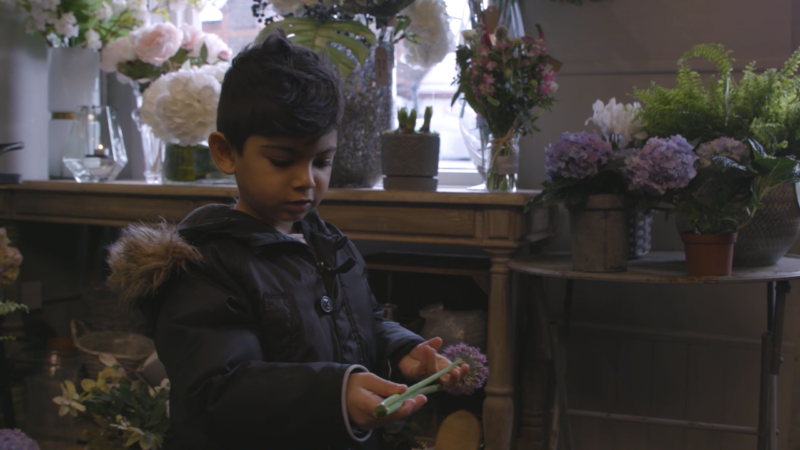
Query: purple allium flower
[662, 164]
[16, 440]
[724, 146]
[576, 155]
[478, 369]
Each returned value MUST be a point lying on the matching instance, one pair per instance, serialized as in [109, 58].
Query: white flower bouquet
[181, 107]
[154, 50]
[86, 23]
[619, 123]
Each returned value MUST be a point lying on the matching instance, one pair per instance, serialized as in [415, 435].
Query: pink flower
[217, 48]
[483, 50]
[192, 39]
[116, 52]
[491, 65]
[155, 44]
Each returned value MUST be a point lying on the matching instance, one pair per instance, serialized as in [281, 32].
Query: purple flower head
[576, 155]
[724, 146]
[16, 440]
[478, 368]
[662, 164]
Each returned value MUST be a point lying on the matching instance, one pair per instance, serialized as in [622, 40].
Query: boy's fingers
[383, 387]
[436, 343]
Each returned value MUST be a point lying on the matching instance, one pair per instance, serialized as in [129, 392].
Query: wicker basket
[130, 349]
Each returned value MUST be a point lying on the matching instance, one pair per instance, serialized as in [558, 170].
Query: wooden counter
[494, 222]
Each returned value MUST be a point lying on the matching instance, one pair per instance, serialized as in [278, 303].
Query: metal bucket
[599, 234]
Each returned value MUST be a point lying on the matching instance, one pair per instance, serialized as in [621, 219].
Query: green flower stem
[397, 400]
[427, 390]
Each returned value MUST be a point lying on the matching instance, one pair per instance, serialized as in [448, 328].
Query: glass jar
[501, 163]
[52, 367]
[95, 149]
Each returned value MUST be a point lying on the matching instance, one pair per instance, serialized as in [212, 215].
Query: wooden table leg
[498, 408]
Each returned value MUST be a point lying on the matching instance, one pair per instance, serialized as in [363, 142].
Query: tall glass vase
[152, 147]
[367, 114]
[501, 162]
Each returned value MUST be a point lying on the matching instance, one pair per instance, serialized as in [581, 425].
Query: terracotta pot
[709, 255]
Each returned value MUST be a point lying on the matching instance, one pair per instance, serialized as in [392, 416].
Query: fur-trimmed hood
[146, 255]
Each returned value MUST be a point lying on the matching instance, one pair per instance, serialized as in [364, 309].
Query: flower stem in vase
[179, 163]
[501, 173]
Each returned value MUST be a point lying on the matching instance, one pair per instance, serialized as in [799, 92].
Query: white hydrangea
[40, 18]
[431, 26]
[118, 6]
[50, 5]
[93, 40]
[104, 12]
[181, 107]
[217, 71]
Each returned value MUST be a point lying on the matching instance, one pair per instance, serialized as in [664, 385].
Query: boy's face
[281, 179]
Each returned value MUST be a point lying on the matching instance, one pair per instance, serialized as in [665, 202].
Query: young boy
[263, 316]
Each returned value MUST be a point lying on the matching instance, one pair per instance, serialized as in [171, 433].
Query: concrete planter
[410, 161]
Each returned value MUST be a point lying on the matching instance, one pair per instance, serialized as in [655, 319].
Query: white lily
[69, 400]
[618, 122]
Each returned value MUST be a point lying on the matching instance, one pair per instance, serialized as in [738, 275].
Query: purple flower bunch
[662, 165]
[16, 440]
[478, 369]
[576, 155]
[724, 146]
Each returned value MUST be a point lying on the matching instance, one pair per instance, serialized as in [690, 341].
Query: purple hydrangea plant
[724, 146]
[662, 165]
[16, 440]
[478, 369]
[576, 155]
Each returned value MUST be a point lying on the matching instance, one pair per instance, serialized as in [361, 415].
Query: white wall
[23, 96]
[607, 48]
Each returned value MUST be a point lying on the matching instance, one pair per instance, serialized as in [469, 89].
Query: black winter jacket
[256, 329]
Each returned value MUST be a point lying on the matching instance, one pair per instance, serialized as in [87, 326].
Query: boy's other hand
[424, 361]
[365, 391]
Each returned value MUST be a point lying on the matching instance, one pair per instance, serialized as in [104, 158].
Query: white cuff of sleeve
[363, 437]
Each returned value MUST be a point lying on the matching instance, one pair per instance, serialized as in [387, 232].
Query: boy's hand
[424, 361]
[365, 391]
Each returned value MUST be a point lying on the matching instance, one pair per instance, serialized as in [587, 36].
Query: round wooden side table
[666, 268]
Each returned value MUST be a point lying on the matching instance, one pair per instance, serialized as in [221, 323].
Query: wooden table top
[445, 194]
[655, 267]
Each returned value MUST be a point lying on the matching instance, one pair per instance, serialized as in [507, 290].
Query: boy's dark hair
[278, 89]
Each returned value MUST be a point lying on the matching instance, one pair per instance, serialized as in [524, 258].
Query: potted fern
[745, 138]
[410, 158]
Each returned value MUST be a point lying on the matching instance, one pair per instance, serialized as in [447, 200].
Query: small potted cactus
[410, 158]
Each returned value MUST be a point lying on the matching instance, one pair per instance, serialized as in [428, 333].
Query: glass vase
[95, 150]
[152, 147]
[501, 162]
[192, 164]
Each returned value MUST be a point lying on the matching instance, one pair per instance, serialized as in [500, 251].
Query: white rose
[104, 12]
[93, 40]
[469, 35]
[431, 25]
[157, 43]
[192, 39]
[116, 52]
[217, 49]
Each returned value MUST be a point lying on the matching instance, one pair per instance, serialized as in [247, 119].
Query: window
[416, 88]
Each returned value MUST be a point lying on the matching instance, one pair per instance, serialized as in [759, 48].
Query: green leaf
[204, 53]
[321, 38]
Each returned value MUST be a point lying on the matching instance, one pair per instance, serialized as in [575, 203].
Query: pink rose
[116, 52]
[157, 43]
[217, 48]
[192, 39]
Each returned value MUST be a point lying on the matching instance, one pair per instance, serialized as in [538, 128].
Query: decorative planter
[73, 79]
[773, 230]
[709, 255]
[192, 164]
[410, 161]
[367, 115]
[599, 235]
[640, 224]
